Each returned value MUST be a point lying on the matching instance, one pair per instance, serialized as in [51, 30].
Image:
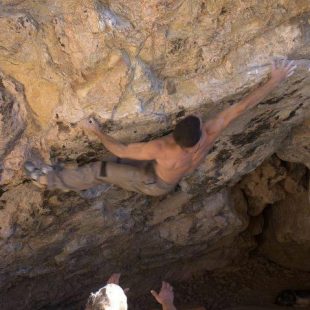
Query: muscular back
[174, 162]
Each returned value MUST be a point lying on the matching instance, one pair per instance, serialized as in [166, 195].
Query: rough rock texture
[296, 148]
[286, 239]
[272, 182]
[13, 114]
[89, 238]
[283, 189]
[253, 282]
[139, 66]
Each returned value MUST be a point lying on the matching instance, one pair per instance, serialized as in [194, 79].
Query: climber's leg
[132, 178]
[141, 179]
[79, 178]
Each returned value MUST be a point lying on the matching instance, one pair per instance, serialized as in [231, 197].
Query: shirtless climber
[164, 161]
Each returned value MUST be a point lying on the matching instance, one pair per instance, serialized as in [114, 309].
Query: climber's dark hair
[187, 132]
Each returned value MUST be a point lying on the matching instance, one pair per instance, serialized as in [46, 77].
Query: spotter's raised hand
[165, 296]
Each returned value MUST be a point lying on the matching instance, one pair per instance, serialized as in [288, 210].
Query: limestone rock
[286, 240]
[297, 148]
[20, 213]
[170, 207]
[216, 212]
[13, 114]
[262, 186]
[116, 236]
[271, 182]
[139, 67]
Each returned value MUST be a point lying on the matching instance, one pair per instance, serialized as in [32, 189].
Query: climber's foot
[43, 180]
[36, 174]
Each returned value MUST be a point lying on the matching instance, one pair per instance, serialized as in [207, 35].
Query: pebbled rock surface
[286, 238]
[138, 67]
[277, 194]
[296, 148]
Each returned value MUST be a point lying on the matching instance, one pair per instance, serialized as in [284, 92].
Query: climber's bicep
[141, 151]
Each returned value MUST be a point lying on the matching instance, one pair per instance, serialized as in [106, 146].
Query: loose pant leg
[90, 175]
[131, 178]
[77, 179]
[137, 179]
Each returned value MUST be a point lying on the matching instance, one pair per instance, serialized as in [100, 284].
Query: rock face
[139, 67]
[283, 189]
[286, 239]
[91, 237]
[272, 182]
[13, 114]
[297, 149]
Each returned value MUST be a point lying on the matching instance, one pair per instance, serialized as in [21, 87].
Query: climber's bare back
[173, 162]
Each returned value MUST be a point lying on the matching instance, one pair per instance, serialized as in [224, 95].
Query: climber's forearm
[112, 145]
[255, 97]
[136, 151]
[217, 125]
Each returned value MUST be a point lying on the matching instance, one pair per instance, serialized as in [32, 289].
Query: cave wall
[278, 197]
[139, 67]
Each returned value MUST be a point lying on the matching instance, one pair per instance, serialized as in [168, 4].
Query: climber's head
[187, 132]
[110, 297]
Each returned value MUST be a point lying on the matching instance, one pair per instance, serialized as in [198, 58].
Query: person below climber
[109, 297]
[113, 297]
[163, 161]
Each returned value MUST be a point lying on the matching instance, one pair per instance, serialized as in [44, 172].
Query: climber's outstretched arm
[280, 71]
[138, 151]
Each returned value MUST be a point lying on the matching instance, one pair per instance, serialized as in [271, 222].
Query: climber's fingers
[114, 279]
[126, 290]
[282, 62]
[290, 67]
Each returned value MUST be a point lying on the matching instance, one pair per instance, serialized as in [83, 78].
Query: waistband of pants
[151, 167]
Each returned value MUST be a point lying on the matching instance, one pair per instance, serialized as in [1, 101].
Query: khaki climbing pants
[141, 179]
